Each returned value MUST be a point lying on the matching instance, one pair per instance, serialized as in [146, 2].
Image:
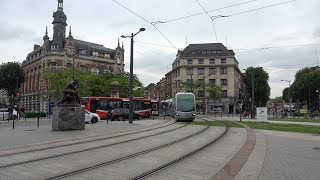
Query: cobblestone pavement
[28, 132]
[291, 156]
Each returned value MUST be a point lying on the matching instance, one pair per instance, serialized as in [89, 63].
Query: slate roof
[215, 49]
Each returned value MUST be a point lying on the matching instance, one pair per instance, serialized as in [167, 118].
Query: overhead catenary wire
[238, 13]
[214, 28]
[197, 14]
[145, 21]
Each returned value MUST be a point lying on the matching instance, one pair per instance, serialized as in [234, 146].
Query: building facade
[211, 63]
[60, 53]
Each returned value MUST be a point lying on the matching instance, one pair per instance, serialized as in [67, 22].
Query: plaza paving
[274, 155]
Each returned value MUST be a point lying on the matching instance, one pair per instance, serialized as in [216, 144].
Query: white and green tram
[182, 107]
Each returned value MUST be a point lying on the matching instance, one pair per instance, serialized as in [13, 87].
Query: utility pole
[252, 99]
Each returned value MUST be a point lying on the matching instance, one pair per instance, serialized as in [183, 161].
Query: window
[95, 53]
[224, 71]
[200, 71]
[212, 81]
[189, 61]
[189, 81]
[95, 70]
[201, 81]
[223, 61]
[82, 51]
[212, 71]
[189, 71]
[200, 61]
[224, 82]
[201, 93]
[54, 66]
[224, 93]
[83, 68]
[212, 61]
[69, 65]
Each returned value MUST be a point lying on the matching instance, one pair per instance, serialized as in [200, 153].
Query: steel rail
[82, 142]
[126, 157]
[87, 149]
[160, 168]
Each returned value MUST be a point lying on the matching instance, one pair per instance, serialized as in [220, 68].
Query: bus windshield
[185, 103]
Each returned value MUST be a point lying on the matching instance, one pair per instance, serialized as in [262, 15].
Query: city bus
[101, 105]
[140, 105]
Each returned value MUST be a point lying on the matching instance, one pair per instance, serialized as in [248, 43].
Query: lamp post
[131, 75]
[204, 93]
[318, 99]
[289, 94]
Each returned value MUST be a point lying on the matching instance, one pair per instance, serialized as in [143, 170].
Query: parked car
[121, 114]
[4, 114]
[91, 117]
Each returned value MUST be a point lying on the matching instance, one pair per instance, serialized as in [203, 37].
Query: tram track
[106, 163]
[177, 160]
[92, 148]
[83, 141]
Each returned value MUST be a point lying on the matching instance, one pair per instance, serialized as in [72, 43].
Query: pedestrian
[22, 109]
[10, 111]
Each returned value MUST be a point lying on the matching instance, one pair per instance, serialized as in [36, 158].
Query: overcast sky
[23, 22]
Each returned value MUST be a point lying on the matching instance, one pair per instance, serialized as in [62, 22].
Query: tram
[182, 107]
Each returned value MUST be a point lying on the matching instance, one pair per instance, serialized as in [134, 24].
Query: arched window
[83, 68]
[95, 70]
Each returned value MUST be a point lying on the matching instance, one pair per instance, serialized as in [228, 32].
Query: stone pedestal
[68, 118]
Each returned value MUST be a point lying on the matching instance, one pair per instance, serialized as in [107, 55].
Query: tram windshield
[185, 102]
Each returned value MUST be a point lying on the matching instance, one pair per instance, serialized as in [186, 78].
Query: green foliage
[277, 100]
[286, 95]
[91, 84]
[261, 87]
[213, 90]
[11, 77]
[35, 114]
[306, 83]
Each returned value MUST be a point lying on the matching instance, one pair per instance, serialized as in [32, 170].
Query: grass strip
[218, 123]
[267, 126]
[296, 120]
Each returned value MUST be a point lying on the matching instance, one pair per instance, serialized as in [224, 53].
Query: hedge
[35, 114]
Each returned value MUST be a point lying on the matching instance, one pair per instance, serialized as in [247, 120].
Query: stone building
[212, 63]
[60, 53]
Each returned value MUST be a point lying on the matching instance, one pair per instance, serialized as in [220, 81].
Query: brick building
[59, 53]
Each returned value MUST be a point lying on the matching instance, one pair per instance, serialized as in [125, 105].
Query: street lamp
[204, 93]
[289, 94]
[217, 16]
[131, 75]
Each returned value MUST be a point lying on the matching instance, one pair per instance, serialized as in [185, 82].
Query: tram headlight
[177, 114]
[193, 114]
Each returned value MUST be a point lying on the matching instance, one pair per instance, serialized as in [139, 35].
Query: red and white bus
[101, 105]
[140, 105]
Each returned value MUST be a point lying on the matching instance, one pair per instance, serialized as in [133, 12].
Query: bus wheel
[147, 115]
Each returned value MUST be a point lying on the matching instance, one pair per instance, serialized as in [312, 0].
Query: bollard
[25, 119]
[12, 123]
[3, 116]
[152, 116]
[38, 121]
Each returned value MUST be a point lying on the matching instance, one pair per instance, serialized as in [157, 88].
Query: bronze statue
[70, 94]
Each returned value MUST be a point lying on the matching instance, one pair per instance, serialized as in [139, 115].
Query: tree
[285, 94]
[11, 77]
[260, 78]
[305, 86]
[90, 84]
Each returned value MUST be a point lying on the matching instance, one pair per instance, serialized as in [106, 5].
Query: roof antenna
[186, 41]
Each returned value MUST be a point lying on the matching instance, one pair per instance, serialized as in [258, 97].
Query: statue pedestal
[68, 117]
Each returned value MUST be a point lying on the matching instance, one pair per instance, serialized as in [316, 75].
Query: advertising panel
[262, 113]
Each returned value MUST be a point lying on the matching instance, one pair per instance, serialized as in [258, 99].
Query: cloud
[8, 32]
[316, 33]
